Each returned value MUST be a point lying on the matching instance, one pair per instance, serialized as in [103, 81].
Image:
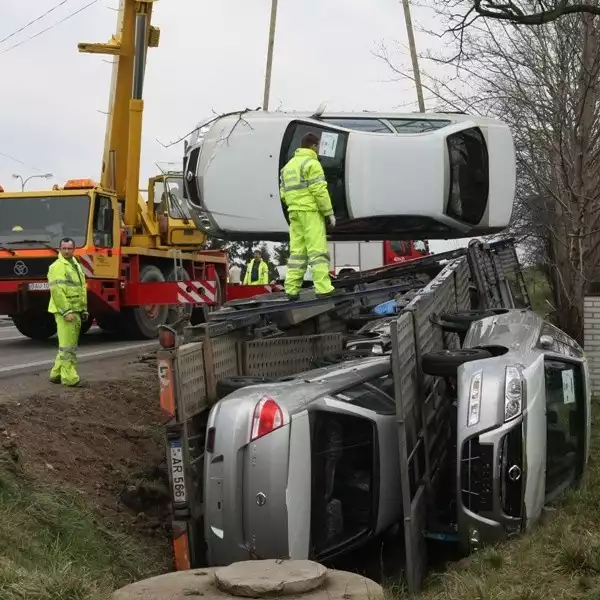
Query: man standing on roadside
[68, 304]
[257, 271]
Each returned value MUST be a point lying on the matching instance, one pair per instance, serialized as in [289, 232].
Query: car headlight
[474, 399]
[513, 393]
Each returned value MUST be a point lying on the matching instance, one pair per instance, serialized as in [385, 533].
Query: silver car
[523, 422]
[306, 467]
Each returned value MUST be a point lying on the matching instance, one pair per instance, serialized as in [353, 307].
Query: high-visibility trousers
[308, 246]
[65, 365]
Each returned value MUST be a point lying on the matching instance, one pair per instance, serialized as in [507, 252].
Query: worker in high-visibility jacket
[303, 189]
[257, 271]
[68, 304]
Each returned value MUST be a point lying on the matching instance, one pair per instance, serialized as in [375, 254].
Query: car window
[332, 158]
[371, 125]
[565, 424]
[368, 397]
[469, 176]
[385, 384]
[418, 125]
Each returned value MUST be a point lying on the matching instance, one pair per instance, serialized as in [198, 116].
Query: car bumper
[489, 499]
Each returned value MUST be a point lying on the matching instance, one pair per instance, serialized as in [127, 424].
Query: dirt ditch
[104, 441]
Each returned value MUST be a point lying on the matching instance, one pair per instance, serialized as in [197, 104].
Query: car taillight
[267, 417]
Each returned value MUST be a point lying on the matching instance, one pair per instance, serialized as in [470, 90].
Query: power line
[48, 28]
[34, 21]
[21, 162]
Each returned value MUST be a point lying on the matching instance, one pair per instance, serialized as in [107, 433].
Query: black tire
[445, 363]
[142, 322]
[470, 316]
[180, 312]
[459, 322]
[36, 326]
[227, 385]
[109, 323]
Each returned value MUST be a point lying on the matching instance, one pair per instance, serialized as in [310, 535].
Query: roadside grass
[559, 559]
[53, 548]
[539, 290]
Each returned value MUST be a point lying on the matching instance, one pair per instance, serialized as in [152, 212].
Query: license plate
[38, 285]
[177, 473]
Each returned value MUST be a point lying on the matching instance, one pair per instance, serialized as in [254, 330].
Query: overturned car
[308, 466]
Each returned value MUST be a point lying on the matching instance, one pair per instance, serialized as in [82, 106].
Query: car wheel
[227, 385]
[445, 363]
[461, 320]
[468, 316]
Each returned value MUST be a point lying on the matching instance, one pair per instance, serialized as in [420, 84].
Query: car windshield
[43, 220]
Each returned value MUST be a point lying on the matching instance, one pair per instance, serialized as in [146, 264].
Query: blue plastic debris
[386, 308]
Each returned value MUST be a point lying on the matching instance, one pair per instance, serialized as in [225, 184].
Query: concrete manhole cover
[255, 579]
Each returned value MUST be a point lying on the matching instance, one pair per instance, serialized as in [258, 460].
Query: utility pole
[413, 54]
[270, 54]
[24, 181]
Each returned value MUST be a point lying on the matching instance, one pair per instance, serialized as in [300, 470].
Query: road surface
[19, 354]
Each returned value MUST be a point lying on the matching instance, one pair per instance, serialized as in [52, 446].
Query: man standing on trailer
[257, 271]
[303, 189]
[68, 304]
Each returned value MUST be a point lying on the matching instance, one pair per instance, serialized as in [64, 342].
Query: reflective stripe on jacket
[68, 290]
[263, 274]
[303, 186]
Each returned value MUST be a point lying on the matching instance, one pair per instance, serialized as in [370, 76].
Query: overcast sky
[211, 58]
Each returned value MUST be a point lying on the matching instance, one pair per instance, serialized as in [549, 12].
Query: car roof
[415, 116]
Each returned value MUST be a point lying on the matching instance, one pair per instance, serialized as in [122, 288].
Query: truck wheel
[36, 326]
[142, 322]
[227, 385]
[181, 311]
[108, 323]
[445, 363]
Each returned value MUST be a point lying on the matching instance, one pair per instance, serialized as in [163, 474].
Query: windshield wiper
[3, 247]
[43, 242]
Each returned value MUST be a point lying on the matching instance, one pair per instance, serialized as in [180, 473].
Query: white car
[390, 176]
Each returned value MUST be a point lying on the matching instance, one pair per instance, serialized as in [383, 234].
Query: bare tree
[522, 12]
[544, 82]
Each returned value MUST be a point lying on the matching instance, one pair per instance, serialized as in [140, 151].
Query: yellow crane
[144, 259]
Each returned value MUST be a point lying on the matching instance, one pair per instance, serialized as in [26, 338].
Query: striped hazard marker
[87, 264]
[196, 292]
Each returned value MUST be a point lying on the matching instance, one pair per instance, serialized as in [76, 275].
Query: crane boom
[122, 149]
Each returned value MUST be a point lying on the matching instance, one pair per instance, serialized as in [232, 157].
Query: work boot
[293, 297]
[55, 380]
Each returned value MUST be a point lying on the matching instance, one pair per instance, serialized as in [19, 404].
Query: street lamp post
[24, 181]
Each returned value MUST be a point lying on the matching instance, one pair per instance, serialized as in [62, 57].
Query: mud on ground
[104, 441]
